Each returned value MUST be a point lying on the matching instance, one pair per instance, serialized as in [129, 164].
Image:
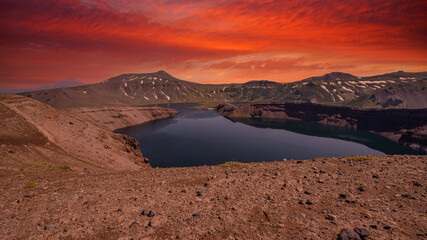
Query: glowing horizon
[45, 41]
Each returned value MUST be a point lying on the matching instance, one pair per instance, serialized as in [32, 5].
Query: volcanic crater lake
[201, 137]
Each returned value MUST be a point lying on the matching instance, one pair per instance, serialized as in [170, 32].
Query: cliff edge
[37, 137]
[112, 118]
[404, 126]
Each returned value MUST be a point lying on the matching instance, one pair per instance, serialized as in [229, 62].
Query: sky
[208, 41]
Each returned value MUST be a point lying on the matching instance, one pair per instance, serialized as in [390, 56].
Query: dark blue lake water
[200, 137]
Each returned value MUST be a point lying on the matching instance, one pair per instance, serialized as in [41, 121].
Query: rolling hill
[393, 90]
[70, 82]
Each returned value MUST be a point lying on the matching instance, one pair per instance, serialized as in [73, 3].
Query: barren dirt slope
[35, 136]
[312, 199]
[112, 118]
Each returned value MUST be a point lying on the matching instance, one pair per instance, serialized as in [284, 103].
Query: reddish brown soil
[385, 194]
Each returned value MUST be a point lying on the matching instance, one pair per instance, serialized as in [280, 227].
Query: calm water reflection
[199, 137]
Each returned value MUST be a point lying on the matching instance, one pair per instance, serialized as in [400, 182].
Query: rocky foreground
[383, 196]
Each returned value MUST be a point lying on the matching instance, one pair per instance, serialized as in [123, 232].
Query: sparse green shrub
[59, 189]
[65, 167]
[30, 184]
[231, 164]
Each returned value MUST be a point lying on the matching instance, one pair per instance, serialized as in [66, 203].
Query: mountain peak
[339, 76]
[332, 76]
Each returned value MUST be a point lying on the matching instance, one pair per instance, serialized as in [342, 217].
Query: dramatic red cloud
[44, 41]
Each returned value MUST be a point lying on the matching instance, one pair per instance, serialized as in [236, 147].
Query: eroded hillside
[394, 90]
[35, 136]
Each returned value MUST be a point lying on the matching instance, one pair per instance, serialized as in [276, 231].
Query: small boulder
[363, 232]
[198, 213]
[348, 234]
[49, 226]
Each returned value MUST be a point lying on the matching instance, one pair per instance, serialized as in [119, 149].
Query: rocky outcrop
[37, 137]
[112, 118]
[405, 126]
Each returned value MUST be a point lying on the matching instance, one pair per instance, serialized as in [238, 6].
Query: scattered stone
[206, 185]
[11, 151]
[49, 226]
[373, 226]
[343, 195]
[375, 176]
[361, 188]
[406, 195]
[307, 192]
[87, 202]
[301, 202]
[348, 234]
[322, 171]
[350, 201]
[331, 217]
[150, 214]
[132, 224]
[308, 202]
[147, 213]
[198, 213]
[198, 193]
[417, 184]
[387, 227]
[363, 232]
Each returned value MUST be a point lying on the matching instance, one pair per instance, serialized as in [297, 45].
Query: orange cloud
[43, 41]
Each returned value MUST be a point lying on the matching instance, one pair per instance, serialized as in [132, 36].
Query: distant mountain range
[392, 90]
[69, 82]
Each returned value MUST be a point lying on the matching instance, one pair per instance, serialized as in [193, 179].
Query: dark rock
[331, 217]
[363, 232]
[343, 195]
[322, 171]
[375, 176]
[361, 188]
[150, 214]
[132, 224]
[308, 202]
[350, 201]
[87, 202]
[417, 184]
[11, 151]
[300, 162]
[145, 212]
[406, 195]
[348, 234]
[307, 192]
[301, 202]
[198, 193]
[387, 227]
[206, 184]
[373, 226]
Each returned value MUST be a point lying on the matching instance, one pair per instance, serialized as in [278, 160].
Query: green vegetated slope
[398, 90]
